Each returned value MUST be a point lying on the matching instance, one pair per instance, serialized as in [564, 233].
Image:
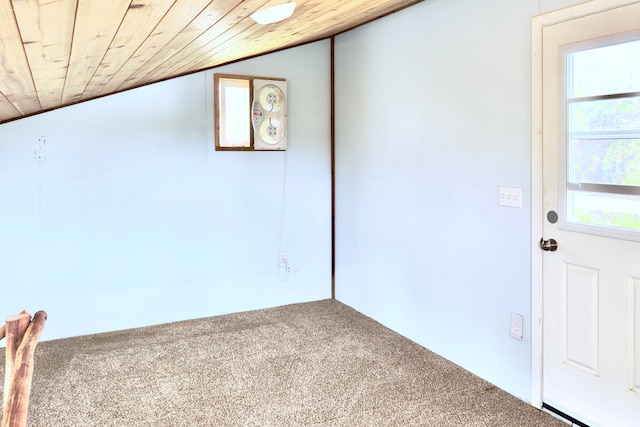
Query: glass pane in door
[604, 70]
[602, 142]
[605, 114]
[605, 161]
[604, 209]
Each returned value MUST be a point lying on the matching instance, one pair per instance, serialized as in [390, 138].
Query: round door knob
[548, 245]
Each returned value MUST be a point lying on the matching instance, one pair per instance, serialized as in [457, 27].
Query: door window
[601, 140]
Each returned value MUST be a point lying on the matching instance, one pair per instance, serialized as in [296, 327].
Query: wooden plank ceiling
[60, 52]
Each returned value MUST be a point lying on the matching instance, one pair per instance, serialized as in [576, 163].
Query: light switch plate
[510, 196]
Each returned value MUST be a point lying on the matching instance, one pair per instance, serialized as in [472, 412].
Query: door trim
[538, 23]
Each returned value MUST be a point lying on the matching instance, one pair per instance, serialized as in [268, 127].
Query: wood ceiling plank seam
[66, 77]
[300, 34]
[181, 63]
[224, 24]
[7, 109]
[93, 35]
[394, 8]
[47, 44]
[181, 70]
[17, 84]
[178, 37]
[206, 57]
[295, 39]
[286, 36]
[280, 41]
[157, 57]
[358, 19]
[185, 61]
[211, 50]
[83, 97]
[131, 34]
[189, 32]
[213, 31]
[165, 33]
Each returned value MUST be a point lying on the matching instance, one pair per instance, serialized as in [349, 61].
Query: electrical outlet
[282, 259]
[39, 152]
[516, 326]
[283, 266]
[510, 196]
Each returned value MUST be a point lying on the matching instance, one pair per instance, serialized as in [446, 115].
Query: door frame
[538, 23]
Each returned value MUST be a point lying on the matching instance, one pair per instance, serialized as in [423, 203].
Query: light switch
[510, 196]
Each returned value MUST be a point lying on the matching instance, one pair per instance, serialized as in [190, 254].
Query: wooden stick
[15, 412]
[15, 327]
[1, 331]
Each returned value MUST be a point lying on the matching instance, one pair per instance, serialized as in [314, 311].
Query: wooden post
[17, 393]
[15, 327]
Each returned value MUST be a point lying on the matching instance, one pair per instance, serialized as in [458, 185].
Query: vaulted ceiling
[59, 52]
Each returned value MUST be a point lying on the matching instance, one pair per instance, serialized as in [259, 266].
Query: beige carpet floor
[312, 364]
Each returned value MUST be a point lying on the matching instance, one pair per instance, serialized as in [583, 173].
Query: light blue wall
[434, 115]
[133, 219]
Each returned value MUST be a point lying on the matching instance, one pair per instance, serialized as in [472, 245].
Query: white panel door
[591, 202]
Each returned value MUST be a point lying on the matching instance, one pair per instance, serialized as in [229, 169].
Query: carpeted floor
[312, 364]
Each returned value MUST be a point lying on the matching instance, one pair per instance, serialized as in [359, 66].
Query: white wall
[133, 219]
[434, 115]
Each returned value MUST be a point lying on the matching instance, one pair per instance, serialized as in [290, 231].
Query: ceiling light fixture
[274, 13]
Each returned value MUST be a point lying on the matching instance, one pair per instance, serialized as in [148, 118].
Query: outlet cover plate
[516, 326]
[282, 259]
